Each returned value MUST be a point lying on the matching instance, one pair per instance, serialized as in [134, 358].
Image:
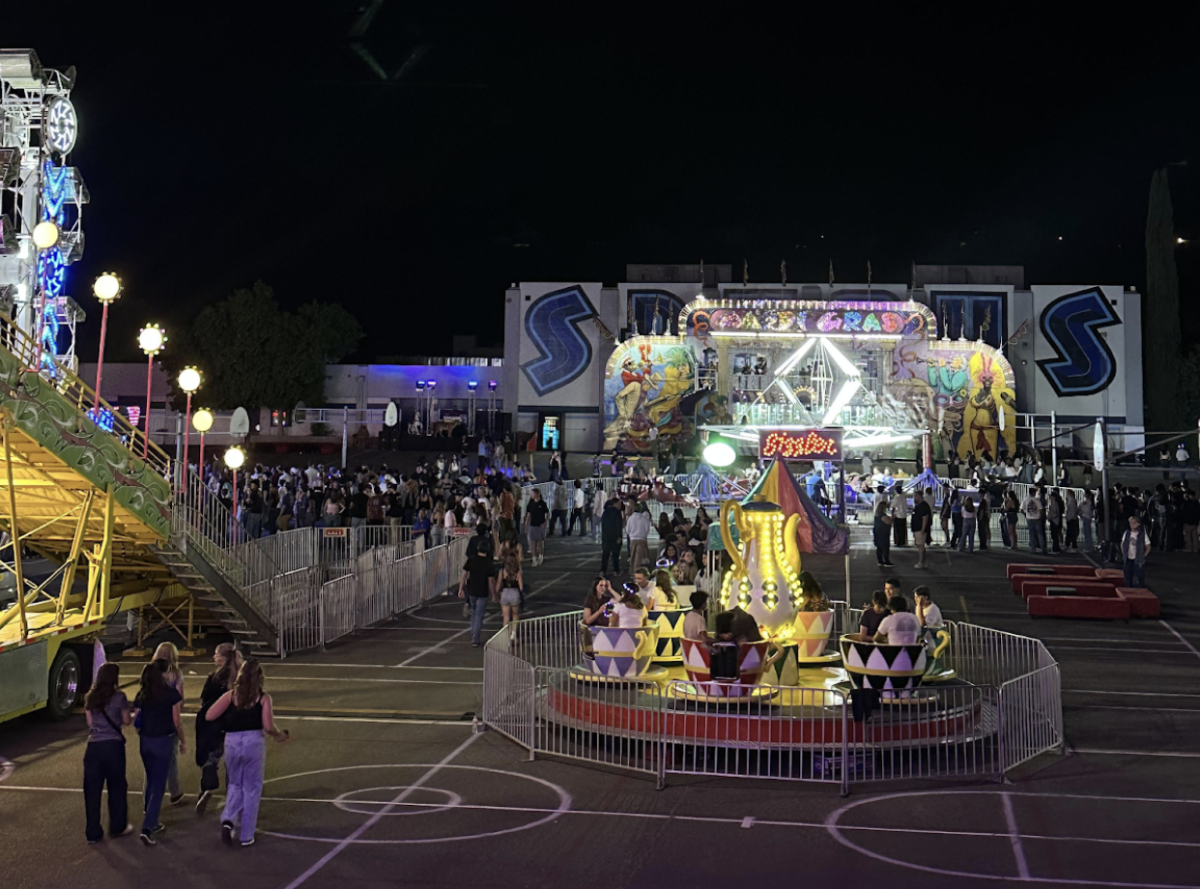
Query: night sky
[224, 143]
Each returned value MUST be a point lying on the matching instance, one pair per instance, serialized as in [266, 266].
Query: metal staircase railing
[202, 523]
[34, 359]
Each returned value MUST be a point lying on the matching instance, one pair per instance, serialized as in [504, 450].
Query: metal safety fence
[1004, 709]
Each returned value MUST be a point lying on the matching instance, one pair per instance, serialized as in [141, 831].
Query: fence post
[845, 751]
[321, 617]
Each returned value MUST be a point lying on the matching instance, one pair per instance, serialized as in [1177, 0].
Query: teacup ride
[936, 667]
[810, 632]
[618, 654]
[895, 671]
[668, 649]
[754, 659]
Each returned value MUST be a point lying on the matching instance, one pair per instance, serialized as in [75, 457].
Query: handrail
[29, 352]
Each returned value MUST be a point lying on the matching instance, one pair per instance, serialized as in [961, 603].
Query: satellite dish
[239, 423]
[391, 416]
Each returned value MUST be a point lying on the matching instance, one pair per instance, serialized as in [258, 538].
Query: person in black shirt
[157, 720]
[209, 736]
[872, 616]
[922, 523]
[612, 524]
[477, 584]
[535, 526]
[358, 507]
[255, 507]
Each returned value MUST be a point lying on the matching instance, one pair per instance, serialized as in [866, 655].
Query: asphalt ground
[385, 783]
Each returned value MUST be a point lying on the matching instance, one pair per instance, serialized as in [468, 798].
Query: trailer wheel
[63, 685]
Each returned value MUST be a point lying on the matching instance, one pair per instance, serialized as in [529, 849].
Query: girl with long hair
[210, 740]
[168, 652]
[663, 597]
[630, 610]
[599, 597]
[246, 714]
[158, 706]
[812, 598]
[107, 712]
[510, 583]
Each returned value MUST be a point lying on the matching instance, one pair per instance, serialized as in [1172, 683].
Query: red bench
[1093, 607]
[1054, 570]
[1142, 602]
[1067, 586]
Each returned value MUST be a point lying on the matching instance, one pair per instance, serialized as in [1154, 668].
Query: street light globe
[719, 454]
[202, 420]
[45, 235]
[151, 339]
[234, 458]
[189, 379]
[107, 287]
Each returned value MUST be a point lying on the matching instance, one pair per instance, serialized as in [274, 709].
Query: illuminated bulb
[107, 287]
[202, 420]
[234, 458]
[189, 379]
[151, 339]
[45, 235]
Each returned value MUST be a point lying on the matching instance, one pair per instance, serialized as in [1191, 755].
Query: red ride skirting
[1084, 570]
[1079, 607]
[736, 728]
[1081, 586]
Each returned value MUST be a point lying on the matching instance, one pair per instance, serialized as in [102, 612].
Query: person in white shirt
[598, 511]
[900, 517]
[695, 622]
[645, 586]
[637, 528]
[901, 627]
[577, 502]
[630, 611]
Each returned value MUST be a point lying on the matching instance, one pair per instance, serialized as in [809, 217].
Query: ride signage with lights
[800, 444]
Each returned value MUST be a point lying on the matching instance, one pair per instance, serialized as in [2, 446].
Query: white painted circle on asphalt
[564, 804]
[348, 802]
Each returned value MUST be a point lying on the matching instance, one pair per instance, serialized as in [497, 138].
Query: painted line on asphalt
[1121, 651]
[1014, 834]
[1132, 694]
[1138, 709]
[1177, 635]
[374, 819]
[1168, 754]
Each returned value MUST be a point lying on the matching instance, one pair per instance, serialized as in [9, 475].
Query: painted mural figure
[985, 423]
[636, 384]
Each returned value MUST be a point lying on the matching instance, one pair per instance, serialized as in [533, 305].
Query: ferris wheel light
[45, 235]
[107, 287]
[189, 379]
[719, 454]
[62, 125]
[151, 339]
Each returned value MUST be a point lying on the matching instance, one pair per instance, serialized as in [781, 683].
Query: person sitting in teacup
[811, 597]
[695, 622]
[663, 594]
[630, 611]
[901, 627]
[873, 614]
[598, 605]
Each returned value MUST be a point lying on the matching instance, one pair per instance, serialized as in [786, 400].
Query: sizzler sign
[800, 444]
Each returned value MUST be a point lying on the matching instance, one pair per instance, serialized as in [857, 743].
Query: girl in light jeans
[245, 714]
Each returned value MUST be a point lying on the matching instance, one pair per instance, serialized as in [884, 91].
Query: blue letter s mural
[552, 323]
[1084, 364]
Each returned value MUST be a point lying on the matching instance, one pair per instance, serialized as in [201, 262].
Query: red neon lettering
[787, 445]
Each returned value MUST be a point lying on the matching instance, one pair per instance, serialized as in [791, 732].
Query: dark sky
[224, 143]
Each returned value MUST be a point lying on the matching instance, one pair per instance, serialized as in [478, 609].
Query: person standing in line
[559, 507]
[210, 740]
[254, 512]
[477, 585]
[983, 521]
[1035, 523]
[1189, 516]
[1071, 514]
[598, 503]
[922, 522]
[508, 506]
[158, 706]
[1012, 509]
[169, 653]
[612, 525]
[1135, 547]
[882, 531]
[107, 711]
[245, 713]
[944, 515]
[577, 504]
[900, 517]
[535, 526]
[966, 540]
[956, 518]
[1054, 512]
[638, 529]
[1087, 518]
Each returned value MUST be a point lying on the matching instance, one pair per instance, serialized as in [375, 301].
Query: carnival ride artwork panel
[653, 309]
[709, 319]
[559, 344]
[962, 391]
[646, 385]
[1079, 342]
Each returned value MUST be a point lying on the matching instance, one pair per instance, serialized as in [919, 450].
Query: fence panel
[296, 598]
[793, 734]
[616, 724]
[339, 611]
[1030, 716]
[508, 690]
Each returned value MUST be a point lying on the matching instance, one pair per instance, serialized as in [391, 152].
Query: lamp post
[430, 386]
[471, 387]
[151, 338]
[234, 458]
[492, 407]
[189, 382]
[203, 421]
[106, 289]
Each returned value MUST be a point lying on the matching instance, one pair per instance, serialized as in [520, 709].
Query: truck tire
[62, 687]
